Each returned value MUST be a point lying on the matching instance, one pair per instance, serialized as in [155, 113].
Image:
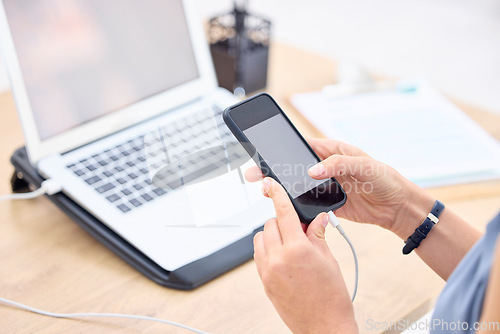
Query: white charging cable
[98, 315]
[334, 221]
[49, 187]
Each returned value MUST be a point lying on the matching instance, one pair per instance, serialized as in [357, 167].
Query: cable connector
[49, 187]
[335, 222]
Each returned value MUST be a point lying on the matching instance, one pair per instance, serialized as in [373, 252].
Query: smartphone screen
[285, 153]
[281, 152]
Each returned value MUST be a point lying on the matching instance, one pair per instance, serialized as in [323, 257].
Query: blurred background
[455, 44]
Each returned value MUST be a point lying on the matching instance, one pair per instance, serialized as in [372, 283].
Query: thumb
[362, 168]
[316, 231]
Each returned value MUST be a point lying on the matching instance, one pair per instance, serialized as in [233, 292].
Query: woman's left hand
[300, 275]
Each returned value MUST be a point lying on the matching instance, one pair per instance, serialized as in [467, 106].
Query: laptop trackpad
[215, 200]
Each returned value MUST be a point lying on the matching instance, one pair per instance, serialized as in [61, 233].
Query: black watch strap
[421, 232]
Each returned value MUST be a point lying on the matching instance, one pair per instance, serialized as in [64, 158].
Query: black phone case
[187, 277]
[266, 170]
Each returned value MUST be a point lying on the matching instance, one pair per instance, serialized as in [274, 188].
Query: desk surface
[50, 263]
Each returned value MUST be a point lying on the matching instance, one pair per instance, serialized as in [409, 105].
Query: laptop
[119, 104]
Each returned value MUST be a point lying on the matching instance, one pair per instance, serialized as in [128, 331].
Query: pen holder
[239, 43]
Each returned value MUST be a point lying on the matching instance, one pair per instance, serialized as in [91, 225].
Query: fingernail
[324, 222]
[266, 184]
[317, 170]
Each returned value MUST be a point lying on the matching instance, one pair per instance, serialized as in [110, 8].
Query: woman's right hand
[376, 193]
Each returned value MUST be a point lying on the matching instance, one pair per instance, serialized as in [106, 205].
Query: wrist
[348, 328]
[413, 212]
[345, 327]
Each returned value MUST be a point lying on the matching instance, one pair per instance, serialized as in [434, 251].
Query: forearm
[446, 244]
[387, 199]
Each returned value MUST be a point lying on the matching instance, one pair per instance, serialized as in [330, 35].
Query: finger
[316, 231]
[326, 147]
[272, 236]
[253, 174]
[346, 182]
[259, 251]
[361, 168]
[288, 221]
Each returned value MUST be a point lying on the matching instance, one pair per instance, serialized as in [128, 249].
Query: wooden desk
[47, 261]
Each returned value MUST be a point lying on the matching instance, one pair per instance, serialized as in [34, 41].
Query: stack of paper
[418, 132]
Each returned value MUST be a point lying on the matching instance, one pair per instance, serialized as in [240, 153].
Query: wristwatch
[421, 232]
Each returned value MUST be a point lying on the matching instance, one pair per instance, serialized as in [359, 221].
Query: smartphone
[281, 152]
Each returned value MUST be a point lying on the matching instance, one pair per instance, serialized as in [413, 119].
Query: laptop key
[159, 191]
[113, 198]
[138, 186]
[123, 208]
[107, 173]
[105, 187]
[121, 180]
[126, 192]
[147, 197]
[91, 168]
[135, 202]
[79, 172]
[93, 179]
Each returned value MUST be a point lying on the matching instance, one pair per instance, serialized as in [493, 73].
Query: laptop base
[187, 277]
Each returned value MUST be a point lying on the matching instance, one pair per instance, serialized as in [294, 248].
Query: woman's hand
[301, 277]
[376, 193]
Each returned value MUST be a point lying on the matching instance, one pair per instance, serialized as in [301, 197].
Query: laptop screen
[82, 59]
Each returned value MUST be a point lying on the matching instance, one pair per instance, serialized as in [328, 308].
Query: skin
[296, 266]
[290, 262]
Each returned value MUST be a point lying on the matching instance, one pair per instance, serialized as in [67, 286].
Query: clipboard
[187, 277]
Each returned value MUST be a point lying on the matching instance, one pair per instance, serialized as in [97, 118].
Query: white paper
[420, 133]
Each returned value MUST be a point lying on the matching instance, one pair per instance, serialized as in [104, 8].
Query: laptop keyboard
[121, 173]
